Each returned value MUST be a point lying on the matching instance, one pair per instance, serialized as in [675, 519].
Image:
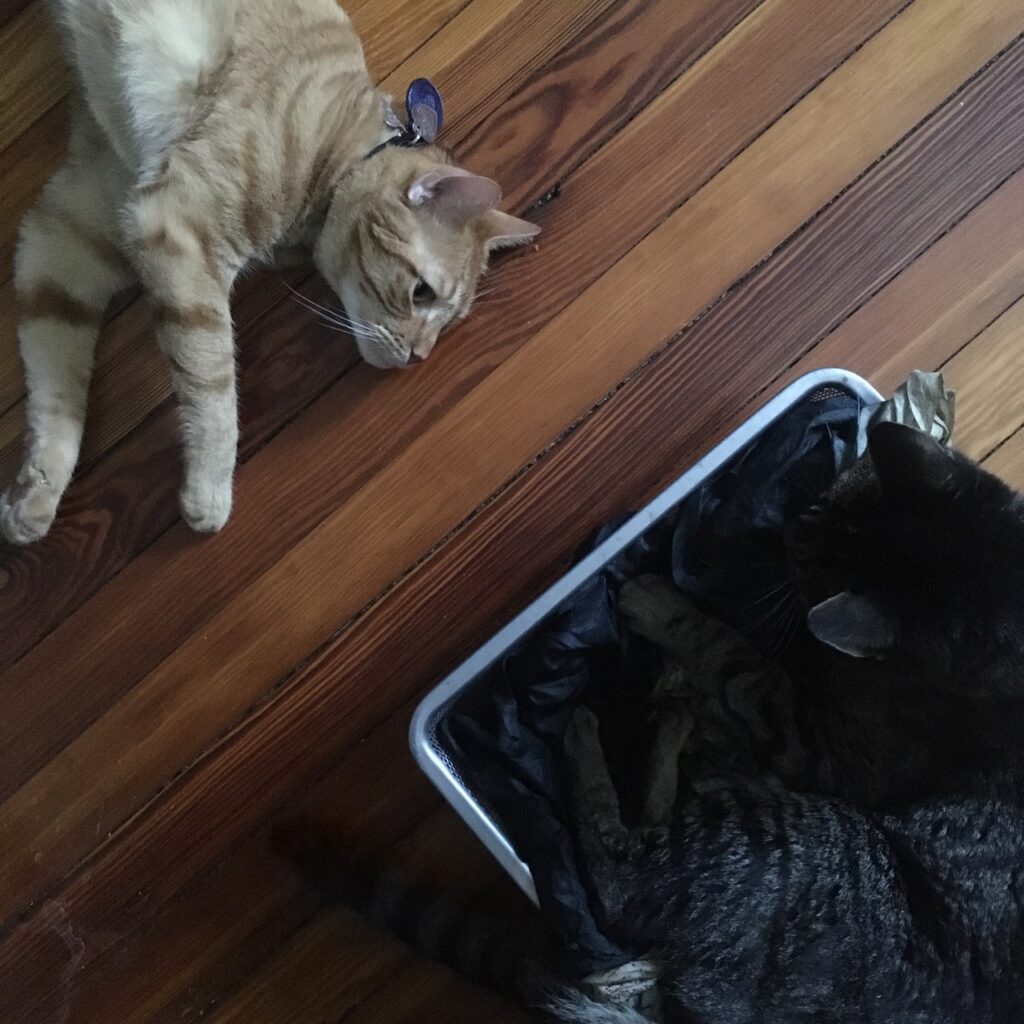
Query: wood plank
[440, 849]
[24, 166]
[988, 377]
[328, 699]
[9, 8]
[133, 379]
[464, 58]
[1007, 461]
[384, 991]
[391, 32]
[913, 320]
[170, 960]
[580, 242]
[203, 950]
[421, 989]
[253, 641]
[34, 77]
[517, 37]
[345, 955]
[92, 518]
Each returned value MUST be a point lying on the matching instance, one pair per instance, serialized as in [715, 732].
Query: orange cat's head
[404, 244]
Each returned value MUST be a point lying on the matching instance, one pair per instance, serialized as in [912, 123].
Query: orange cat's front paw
[206, 505]
[28, 508]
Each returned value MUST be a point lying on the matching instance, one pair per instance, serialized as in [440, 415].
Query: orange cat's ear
[454, 194]
[502, 230]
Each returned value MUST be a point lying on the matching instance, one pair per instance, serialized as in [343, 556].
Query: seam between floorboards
[885, 284]
[1005, 441]
[399, 578]
[852, 184]
[586, 155]
[320, 903]
[66, 64]
[1006, 309]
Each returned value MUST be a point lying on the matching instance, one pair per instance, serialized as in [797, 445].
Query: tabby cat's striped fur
[209, 134]
[854, 851]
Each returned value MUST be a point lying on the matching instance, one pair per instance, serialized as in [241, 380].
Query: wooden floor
[732, 192]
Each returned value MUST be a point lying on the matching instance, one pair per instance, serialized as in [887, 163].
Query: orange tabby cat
[207, 135]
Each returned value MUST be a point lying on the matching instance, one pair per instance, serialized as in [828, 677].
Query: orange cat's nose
[422, 349]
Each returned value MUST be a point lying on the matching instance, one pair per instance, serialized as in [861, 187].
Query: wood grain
[9, 8]
[169, 962]
[526, 401]
[988, 377]
[350, 704]
[24, 167]
[421, 989]
[341, 951]
[513, 37]
[584, 235]
[132, 378]
[912, 321]
[35, 77]
[391, 32]
[281, 994]
[1007, 461]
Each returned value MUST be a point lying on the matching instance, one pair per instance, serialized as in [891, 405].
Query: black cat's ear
[908, 460]
[852, 624]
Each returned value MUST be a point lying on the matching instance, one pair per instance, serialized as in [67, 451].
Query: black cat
[870, 869]
[909, 682]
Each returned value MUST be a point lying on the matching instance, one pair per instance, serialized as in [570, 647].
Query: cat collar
[425, 112]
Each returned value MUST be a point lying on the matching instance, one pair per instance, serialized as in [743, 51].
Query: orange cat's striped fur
[209, 134]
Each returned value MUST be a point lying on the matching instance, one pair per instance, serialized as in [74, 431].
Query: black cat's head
[916, 553]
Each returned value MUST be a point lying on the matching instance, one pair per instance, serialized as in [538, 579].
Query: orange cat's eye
[423, 294]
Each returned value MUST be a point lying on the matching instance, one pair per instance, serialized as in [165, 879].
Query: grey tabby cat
[855, 857]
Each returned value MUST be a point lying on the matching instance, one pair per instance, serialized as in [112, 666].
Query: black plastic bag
[723, 545]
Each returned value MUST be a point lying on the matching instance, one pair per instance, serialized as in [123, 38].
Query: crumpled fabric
[723, 546]
[923, 402]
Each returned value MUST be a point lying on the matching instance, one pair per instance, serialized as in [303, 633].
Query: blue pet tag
[426, 110]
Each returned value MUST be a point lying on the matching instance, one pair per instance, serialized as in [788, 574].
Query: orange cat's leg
[189, 270]
[68, 267]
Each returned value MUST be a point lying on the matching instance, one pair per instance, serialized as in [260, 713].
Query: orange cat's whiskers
[327, 321]
[336, 319]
